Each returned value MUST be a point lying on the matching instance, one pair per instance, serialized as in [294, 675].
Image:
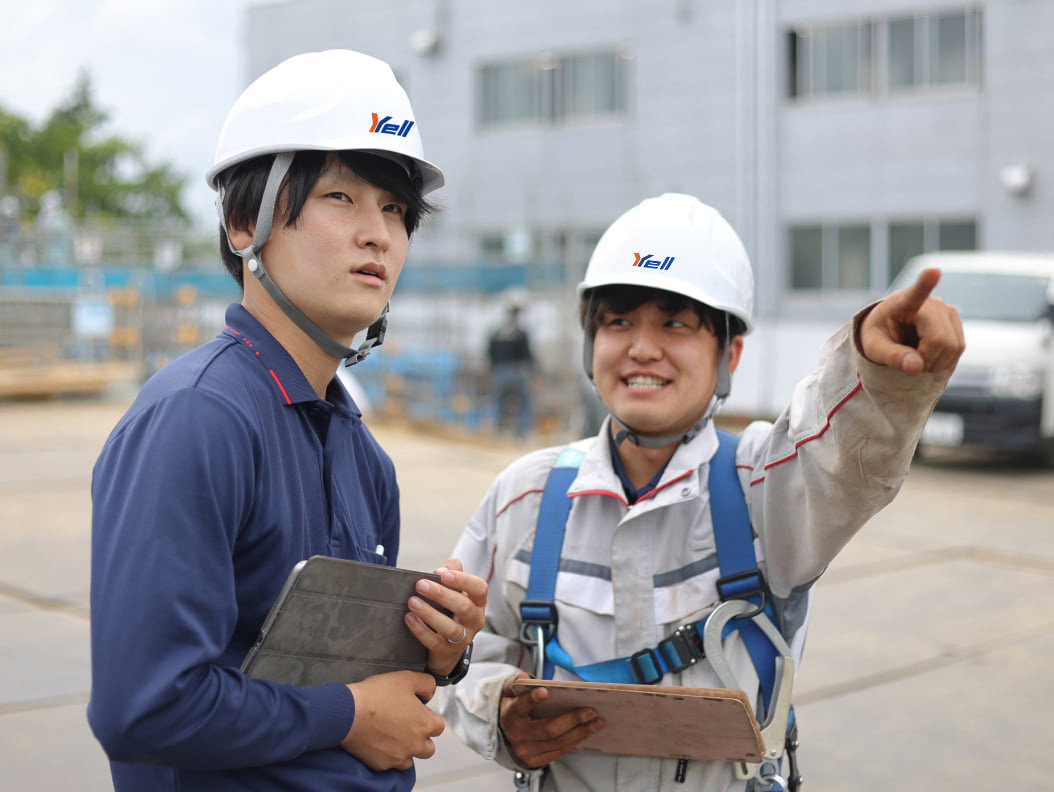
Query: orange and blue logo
[383, 126]
[650, 262]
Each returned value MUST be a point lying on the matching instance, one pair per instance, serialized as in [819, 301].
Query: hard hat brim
[431, 176]
[679, 286]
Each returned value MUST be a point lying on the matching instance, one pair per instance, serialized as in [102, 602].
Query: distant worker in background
[511, 368]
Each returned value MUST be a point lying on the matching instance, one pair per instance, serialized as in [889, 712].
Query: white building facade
[839, 137]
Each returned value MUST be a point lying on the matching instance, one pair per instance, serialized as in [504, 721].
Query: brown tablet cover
[669, 722]
[338, 621]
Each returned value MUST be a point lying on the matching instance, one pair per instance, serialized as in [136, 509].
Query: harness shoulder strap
[740, 576]
[538, 616]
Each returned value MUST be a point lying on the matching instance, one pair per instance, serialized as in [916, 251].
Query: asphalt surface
[928, 657]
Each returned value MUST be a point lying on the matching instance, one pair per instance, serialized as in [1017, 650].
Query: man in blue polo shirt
[246, 456]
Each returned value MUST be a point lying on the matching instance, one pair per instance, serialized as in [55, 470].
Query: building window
[552, 88]
[902, 70]
[922, 50]
[807, 257]
[935, 49]
[854, 257]
[826, 257]
[913, 238]
[905, 241]
[957, 235]
[508, 93]
[949, 48]
[832, 59]
[517, 246]
[592, 84]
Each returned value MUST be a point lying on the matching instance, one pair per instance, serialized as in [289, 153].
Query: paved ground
[928, 665]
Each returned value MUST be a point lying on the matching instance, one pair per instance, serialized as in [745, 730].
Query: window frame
[553, 88]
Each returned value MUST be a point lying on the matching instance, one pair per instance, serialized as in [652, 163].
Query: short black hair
[245, 182]
[622, 298]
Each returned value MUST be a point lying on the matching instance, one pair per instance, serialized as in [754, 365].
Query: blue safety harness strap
[740, 579]
[740, 576]
[538, 611]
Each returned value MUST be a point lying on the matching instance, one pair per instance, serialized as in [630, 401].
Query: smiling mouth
[641, 382]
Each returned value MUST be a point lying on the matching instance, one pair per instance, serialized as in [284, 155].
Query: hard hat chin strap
[254, 263]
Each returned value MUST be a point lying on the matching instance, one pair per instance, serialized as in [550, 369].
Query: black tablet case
[338, 621]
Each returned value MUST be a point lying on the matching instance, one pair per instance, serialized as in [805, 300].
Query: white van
[1001, 395]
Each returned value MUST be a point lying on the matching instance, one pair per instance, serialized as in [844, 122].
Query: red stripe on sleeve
[804, 440]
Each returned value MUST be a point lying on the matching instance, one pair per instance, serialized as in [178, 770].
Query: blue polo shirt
[224, 473]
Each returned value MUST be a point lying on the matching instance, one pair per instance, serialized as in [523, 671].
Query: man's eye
[395, 208]
[338, 195]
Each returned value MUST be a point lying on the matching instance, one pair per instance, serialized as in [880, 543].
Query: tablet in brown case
[338, 621]
[647, 720]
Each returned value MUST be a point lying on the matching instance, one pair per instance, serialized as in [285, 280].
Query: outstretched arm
[913, 331]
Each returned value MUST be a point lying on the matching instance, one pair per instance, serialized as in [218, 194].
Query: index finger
[473, 586]
[913, 297]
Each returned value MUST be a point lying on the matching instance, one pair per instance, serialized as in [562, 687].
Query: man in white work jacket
[666, 300]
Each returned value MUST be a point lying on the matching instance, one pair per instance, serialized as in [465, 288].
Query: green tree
[99, 175]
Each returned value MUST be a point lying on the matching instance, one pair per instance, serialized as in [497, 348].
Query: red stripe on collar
[280, 387]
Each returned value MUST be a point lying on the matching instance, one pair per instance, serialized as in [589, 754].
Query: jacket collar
[291, 386]
[597, 472]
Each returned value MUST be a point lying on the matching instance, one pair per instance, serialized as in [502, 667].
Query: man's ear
[735, 350]
[240, 238]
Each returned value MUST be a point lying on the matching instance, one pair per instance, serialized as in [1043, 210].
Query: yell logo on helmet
[648, 262]
[381, 126]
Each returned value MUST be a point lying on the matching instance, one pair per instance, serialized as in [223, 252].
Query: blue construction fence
[417, 276]
[161, 285]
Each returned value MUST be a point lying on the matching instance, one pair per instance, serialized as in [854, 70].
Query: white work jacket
[632, 573]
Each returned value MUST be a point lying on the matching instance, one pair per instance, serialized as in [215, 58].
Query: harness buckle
[537, 613]
[682, 648]
[645, 666]
[742, 586]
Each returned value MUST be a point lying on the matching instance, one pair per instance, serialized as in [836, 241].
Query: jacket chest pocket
[701, 525]
[581, 583]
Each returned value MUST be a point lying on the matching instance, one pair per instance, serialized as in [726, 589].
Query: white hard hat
[679, 244]
[337, 100]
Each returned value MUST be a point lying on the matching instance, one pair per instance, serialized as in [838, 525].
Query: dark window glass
[807, 257]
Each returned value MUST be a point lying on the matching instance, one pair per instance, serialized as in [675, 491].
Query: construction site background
[99, 308]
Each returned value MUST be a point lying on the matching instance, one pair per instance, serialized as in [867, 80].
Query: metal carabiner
[534, 777]
[774, 727]
[539, 652]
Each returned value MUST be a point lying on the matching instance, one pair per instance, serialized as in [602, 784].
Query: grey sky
[166, 71]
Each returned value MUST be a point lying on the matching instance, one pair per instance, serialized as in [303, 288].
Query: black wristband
[459, 671]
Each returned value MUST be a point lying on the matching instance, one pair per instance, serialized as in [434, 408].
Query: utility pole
[70, 171]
